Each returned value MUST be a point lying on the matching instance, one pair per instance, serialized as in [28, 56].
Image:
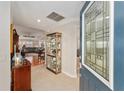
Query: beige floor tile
[45, 80]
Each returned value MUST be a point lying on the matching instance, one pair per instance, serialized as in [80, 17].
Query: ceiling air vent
[54, 16]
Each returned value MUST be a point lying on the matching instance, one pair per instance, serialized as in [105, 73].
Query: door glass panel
[96, 27]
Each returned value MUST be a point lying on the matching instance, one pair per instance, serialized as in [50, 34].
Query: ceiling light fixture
[38, 20]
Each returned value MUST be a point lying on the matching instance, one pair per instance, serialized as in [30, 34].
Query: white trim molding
[72, 76]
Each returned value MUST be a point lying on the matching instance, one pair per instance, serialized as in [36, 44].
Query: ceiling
[26, 13]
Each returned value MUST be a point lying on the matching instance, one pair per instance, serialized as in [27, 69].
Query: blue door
[88, 81]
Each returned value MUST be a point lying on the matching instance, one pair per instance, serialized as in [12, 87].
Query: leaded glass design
[96, 26]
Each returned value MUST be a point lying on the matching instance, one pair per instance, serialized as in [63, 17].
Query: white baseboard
[72, 76]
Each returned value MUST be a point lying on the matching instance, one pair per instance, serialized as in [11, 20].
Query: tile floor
[45, 80]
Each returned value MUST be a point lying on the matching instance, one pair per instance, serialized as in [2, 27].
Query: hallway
[44, 80]
[80, 38]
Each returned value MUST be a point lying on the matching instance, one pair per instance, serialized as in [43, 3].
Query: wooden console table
[21, 77]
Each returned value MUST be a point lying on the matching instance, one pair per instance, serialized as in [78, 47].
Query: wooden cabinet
[14, 40]
[11, 38]
[21, 77]
[38, 59]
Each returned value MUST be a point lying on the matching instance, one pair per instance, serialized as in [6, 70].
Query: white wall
[69, 47]
[4, 46]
